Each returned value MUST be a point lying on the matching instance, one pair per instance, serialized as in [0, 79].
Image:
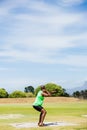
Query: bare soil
[31, 100]
[49, 124]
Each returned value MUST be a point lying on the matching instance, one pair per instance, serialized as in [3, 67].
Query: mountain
[83, 87]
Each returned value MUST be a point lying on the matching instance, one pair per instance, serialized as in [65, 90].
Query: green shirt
[39, 99]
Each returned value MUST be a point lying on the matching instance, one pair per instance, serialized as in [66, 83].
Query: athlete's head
[42, 87]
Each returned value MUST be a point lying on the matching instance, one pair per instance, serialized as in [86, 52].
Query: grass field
[58, 109]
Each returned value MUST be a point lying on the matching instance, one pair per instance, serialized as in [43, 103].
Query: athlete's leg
[42, 117]
[42, 114]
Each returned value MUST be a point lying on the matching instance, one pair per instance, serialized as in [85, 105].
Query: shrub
[17, 94]
[30, 94]
[3, 93]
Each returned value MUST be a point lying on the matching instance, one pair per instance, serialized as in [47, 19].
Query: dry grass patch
[31, 100]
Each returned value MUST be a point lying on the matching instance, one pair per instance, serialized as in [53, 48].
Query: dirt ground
[47, 124]
[30, 100]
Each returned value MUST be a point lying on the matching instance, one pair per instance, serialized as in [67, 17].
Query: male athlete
[39, 102]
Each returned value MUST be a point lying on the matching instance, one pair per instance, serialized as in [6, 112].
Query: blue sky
[43, 41]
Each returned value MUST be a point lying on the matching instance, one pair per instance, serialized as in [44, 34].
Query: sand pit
[10, 116]
[47, 124]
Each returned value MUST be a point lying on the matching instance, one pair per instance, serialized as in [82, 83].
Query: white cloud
[4, 69]
[70, 2]
[15, 83]
[75, 60]
[42, 36]
[3, 12]
[47, 58]
[34, 31]
[55, 17]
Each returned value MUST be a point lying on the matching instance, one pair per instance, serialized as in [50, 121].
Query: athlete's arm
[46, 93]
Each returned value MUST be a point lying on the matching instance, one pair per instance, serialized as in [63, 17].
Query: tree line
[30, 91]
[80, 94]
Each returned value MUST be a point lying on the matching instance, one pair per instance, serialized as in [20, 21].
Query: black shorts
[38, 108]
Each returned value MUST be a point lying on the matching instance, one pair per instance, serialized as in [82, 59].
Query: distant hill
[83, 87]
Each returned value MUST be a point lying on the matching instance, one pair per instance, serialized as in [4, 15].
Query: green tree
[83, 94]
[29, 89]
[55, 89]
[65, 94]
[80, 94]
[3, 93]
[17, 94]
[76, 94]
[26, 90]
